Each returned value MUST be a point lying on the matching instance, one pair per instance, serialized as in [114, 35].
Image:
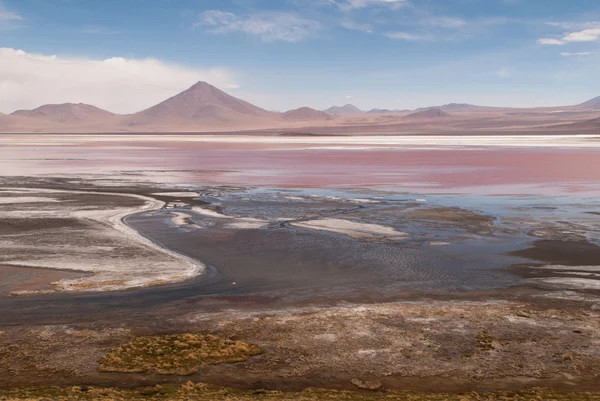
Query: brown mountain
[430, 113]
[66, 113]
[306, 114]
[9, 123]
[5, 121]
[202, 104]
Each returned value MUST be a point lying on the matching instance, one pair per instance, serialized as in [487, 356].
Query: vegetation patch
[485, 341]
[175, 354]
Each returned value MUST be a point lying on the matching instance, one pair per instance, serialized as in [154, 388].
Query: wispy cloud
[585, 35]
[444, 22]
[358, 4]
[446, 28]
[269, 26]
[356, 26]
[550, 41]
[411, 37]
[575, 25]
[567, 54]
[8, 15]
[8, 19]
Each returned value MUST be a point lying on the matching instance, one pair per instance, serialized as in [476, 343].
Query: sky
[126, 55]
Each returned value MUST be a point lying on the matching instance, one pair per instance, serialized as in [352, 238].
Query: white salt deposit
[570, 268]
[138, 262]
[179, 219]
[210, 213]
[570, 282]
[7, 200]
[178, 194]
[359, 200]
[353, 229]
[247, 223]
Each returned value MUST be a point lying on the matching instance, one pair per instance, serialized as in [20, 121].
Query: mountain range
[343, 110]
[205, 108]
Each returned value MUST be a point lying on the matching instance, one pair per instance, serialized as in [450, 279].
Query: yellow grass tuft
[175, 354]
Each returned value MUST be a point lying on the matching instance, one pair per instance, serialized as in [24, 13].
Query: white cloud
[567, 54]
[408, 36]
[269, 26]
[549, 41]
[587, 35]
[356, 26]
[357, 4]
[117, 84]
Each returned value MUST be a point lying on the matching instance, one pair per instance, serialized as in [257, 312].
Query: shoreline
[116, 221]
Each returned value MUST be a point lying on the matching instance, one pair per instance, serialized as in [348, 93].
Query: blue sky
[290, 53]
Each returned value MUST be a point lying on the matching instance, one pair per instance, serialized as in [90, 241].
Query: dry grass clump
[485, 341]
[175, 354]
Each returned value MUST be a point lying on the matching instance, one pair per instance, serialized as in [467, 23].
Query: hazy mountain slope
[306, 114]
[430, 113]
[343, 110]
[66, 113]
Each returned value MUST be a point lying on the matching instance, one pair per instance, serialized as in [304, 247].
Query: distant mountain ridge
[343, 110]
[429, 113]
[65, 113]
[453, 107]
[306, 114]
[384, 111]
[205, 108]
[592, 102]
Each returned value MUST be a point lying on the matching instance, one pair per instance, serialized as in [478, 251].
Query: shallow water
[495, 164]
[280, 263]
[282, 259]
[549, 192]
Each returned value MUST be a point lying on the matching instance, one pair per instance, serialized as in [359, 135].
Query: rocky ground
[460, 346]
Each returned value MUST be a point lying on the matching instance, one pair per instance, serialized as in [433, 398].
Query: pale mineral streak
[353, 229]
[117, 255]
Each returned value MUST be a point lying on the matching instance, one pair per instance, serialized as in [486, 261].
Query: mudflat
[15, 279]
